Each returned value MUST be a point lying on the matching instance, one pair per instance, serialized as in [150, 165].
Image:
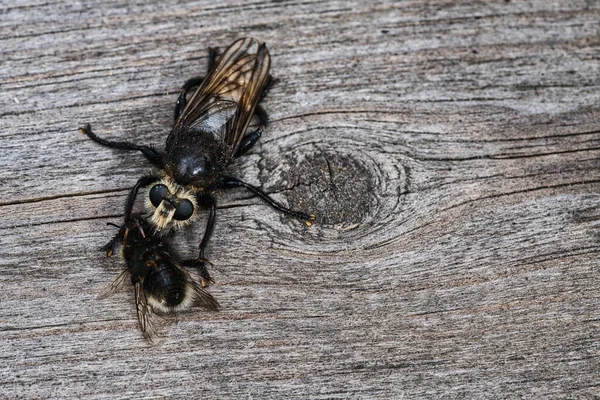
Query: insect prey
[161, 284]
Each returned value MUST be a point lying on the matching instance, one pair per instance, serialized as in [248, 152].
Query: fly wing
[225, 101]
[250, 97]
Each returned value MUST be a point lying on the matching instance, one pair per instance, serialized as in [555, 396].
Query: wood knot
[340, 188]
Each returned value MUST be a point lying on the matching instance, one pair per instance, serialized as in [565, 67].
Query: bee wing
[145, 313]
[225, 101]
[200, 296]
[204, 299]
[115, 286]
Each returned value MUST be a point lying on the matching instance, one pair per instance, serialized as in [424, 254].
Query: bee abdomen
[167, 287]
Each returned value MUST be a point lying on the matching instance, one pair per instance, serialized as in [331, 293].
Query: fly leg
[181, 100]
[141, 183]
[200, 266]
[153, 155]
[193, 82]
[208, 202]
[118, 238]
[248, 141]
[230, 182]
[267, 88]
[212, 57]
[251, 138]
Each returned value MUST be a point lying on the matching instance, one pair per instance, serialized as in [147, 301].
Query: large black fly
[210, 130]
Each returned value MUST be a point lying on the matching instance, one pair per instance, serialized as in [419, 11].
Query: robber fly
[211, 129]
[162, 285]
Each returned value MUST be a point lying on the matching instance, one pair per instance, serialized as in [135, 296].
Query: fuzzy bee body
[166, 287]
[161, 284]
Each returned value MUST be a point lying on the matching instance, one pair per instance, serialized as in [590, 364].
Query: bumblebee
[162, 285]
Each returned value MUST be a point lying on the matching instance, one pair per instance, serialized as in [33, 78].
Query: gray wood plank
[450, 150]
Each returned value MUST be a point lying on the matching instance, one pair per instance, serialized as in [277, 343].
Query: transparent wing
[201, 297]
[145, 313]
[204, 299]
[225, 101]
[115, 286]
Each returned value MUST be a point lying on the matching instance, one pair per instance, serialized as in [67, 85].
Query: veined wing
[145, 313]
[225, 101]
[200, 296]
[116, 285]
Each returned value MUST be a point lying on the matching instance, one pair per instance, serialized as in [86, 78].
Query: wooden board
[451, 151]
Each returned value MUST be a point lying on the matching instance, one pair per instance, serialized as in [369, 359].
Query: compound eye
[184, 210]
[157, 194]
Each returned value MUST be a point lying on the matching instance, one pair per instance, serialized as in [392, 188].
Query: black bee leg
[230, 182]
[208, 202]
[248, 141]
[153, 155]
[110, 247]
[200, 265]
[142, 182]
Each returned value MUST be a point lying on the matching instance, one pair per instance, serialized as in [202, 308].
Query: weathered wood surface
[450, 149]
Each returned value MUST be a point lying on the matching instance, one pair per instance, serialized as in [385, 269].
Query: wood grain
[450, 149]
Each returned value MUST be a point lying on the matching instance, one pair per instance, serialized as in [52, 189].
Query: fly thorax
[189, 166]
